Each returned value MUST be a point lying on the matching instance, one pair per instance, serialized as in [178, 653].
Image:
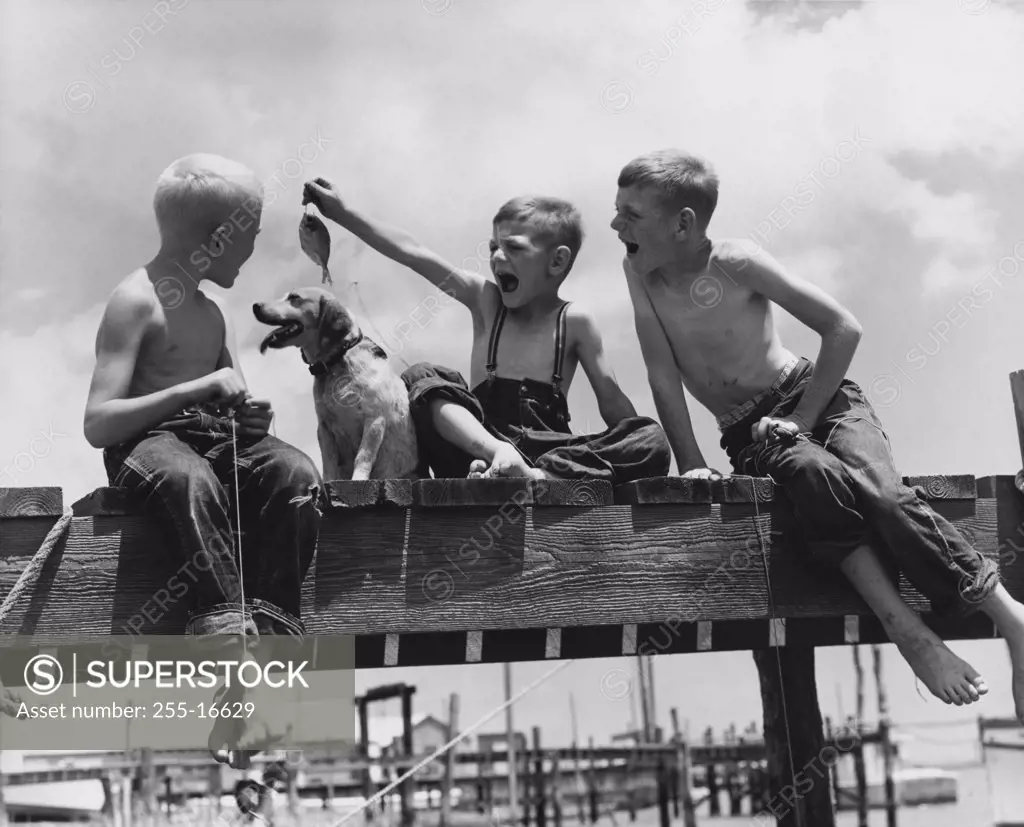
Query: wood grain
[110, 502]
[482, 568]
[945, 487]
[369, 493]
[31, 502]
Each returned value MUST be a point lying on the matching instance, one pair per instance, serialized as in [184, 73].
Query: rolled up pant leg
[427, 383]
[633, 449]
[935, 557]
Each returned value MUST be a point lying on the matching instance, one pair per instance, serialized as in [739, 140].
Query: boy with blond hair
[166, 372]
[703, 312]
[527, 345]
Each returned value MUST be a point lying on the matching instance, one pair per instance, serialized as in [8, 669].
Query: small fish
[316, 243]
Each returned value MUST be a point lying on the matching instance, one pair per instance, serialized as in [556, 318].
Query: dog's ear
[334, 324]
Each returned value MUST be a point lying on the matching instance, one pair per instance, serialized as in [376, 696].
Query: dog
[364, 426]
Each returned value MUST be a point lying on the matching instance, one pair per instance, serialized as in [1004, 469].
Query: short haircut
[558, 221]
[198, 193]
[682, 180]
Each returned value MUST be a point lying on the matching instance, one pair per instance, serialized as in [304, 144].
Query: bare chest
[523, 352]
[183, 345]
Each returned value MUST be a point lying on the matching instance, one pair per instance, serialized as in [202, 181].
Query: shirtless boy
[166, 370]
[703, 313]
[527, 344]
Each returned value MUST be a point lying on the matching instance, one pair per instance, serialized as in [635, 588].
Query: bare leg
[243, 731]
[1008, 616]
[947, 677]
[494, 458]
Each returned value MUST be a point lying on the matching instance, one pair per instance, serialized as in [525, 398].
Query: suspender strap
[560, 338]
[492, 348]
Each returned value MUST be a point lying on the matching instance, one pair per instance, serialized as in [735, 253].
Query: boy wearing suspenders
[527, 345]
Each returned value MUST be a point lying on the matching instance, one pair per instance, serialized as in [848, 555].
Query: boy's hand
[321, 193]
[788, 426]
[254, 417]
[223, 387]
[702, 474]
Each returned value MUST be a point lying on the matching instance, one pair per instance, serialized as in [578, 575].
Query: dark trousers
[518, 413]
[183, 470]
[846, 491]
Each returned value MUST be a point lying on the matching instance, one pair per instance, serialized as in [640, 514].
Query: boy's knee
[296, 469]
[807, 461]
[416, 372]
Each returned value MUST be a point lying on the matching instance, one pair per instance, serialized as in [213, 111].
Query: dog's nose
[255, 307]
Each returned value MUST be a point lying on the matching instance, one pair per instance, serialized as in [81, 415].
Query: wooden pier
[439, 572]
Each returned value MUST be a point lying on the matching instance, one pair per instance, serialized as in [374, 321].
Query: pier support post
[797, 772]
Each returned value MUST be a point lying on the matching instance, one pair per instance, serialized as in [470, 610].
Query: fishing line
[798, 811]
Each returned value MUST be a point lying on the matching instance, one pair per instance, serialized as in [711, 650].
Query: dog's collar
[319, 368]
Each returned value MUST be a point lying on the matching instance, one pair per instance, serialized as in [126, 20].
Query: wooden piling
[664, 818]
[556, 785]
[884, 730]
[364, 752]
[713, 802]
[510, 749]
[834, 771]
[683, 762]
[592, 793]
[407, 788]
[449, 764]
[794, 735]
[538, 780]
[859, 770]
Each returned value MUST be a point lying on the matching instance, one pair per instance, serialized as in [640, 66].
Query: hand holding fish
[322, 194]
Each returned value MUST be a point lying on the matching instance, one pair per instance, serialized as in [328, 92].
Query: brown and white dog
[362, 406]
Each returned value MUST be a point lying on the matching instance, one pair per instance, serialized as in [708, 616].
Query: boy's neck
[538, 308]
[693, 259]
[172, 262]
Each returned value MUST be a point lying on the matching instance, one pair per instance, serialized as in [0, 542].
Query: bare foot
[507, 462]
[948, 678]
[238, 736]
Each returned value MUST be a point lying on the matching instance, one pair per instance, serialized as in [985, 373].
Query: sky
[873, 148]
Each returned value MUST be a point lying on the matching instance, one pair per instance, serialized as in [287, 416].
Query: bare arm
[839, 330]
[663, 376]
[612, 401]
[229, 352]
[401, 246]
[110, 418]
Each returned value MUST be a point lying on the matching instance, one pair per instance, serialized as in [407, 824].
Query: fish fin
[326, 275]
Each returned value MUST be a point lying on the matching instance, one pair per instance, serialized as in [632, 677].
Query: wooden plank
[945, 487]
[446, 493]
[597, 573]
[107, 502]
[370, 493]
[31, 502]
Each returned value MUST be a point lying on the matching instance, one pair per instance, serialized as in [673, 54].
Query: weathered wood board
[465, 571]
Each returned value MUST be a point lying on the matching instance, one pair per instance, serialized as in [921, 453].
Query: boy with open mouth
[527, 345]
[703, 312]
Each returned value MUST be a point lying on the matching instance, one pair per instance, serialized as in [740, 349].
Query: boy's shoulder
[134, 297]
[735, 253]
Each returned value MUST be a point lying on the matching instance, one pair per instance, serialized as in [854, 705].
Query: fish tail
[326, 275]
